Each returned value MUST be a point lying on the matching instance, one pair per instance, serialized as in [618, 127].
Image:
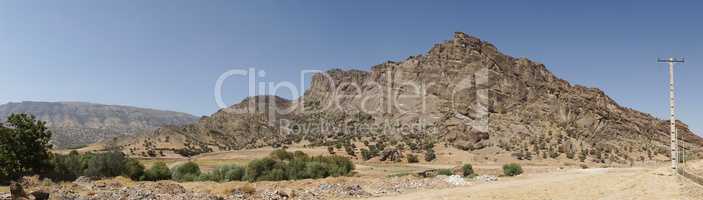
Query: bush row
[279, 165]
[98, 165]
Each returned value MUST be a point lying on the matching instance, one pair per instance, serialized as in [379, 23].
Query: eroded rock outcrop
[463, 92]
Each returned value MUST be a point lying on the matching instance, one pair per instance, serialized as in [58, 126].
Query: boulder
[17, 191]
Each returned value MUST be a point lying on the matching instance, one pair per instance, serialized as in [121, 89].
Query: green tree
[24, 146]
[66, 167]
[186, 172]
[133, 169]
[412, 158]
[158, 171]
[258, 168]
[109, 164]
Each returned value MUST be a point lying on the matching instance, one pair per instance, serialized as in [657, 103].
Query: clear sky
[168, 54]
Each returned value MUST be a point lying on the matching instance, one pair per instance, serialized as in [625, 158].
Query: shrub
[108, 164]
[98, 165]
[133, 169]
[299, 155]
[446, 172]
[188, 178]
[226, 173]
[412, 158]
[189, 171]
[467, 170]
[158, 171]
[512, 169]
[315, 170]
[296, 169]
[275, 174]
[430, 155]
[205, 177]
[296, 166]
[281, 154]
[366, 154]
[257, 168]
[66, 167]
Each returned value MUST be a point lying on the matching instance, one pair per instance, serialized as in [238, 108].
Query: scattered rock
[355, 191]
[455, 180]
[82, 180]
[326, 186]
[486, 178]
[5, 196]
[274, 195]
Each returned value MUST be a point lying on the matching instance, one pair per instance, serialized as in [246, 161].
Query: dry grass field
[551, 179]
[542, 179]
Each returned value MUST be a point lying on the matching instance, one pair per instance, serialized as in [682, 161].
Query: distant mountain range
[78, 123]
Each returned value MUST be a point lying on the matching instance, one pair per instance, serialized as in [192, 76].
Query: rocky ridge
[77, 123]
[463, 93]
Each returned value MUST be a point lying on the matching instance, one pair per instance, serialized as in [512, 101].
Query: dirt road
[588, 184]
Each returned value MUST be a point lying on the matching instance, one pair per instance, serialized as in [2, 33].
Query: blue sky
[168, 54]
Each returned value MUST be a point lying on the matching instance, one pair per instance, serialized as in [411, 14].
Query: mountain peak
[463, 38]
[474, 97]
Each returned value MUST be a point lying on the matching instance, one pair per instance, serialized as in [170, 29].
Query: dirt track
[606, 184]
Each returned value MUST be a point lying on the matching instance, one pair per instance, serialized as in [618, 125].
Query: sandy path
[606, 184]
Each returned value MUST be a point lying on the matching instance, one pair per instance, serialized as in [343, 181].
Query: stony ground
[595, 183]
[602, 183]
[330, 188]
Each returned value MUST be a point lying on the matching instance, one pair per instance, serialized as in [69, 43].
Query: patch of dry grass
[4, 189]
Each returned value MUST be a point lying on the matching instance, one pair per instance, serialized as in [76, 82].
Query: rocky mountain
[77, 123]
[462, 93]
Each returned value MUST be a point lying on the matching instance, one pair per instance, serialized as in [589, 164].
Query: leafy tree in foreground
[24, 146]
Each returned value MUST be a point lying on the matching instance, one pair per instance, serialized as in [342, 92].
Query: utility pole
[672, 109]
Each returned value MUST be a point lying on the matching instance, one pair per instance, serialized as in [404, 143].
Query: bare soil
[597, 183]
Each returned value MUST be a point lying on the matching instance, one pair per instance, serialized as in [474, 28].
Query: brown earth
[598, 183]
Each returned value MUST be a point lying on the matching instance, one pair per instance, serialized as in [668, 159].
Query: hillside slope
[79, 123]
[463, 93]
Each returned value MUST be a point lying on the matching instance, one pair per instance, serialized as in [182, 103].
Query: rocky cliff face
[463, 93]
[77, 123]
